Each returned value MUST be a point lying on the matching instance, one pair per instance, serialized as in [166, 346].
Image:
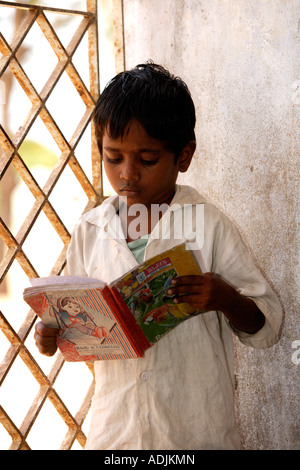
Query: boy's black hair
[148, 93]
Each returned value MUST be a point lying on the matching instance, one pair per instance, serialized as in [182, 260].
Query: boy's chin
[131, 200]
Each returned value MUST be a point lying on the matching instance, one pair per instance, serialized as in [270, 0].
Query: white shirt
[180, 395]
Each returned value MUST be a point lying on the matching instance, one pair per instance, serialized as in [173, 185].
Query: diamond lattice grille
[17, 339]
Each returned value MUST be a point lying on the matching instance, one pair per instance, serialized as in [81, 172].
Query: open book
[116, 321]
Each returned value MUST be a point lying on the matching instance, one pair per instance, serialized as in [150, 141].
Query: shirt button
[145, 375]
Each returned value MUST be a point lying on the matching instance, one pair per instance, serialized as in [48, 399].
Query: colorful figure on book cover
[70, 315]
[151, 303]
[168, 311]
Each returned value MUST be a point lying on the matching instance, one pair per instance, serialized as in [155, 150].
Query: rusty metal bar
[13, 63]
[24, 6]
[51, 36]
[10, 426]
[8, 330]
[80, 416]
[9, 52]
[60, 263]
[14, 252]
[8, 360]
[46, 383]
[66, 54]
[34, 411]
[95, 92]
[41, 202]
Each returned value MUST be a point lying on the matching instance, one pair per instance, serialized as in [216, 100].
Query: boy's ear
[186, 156]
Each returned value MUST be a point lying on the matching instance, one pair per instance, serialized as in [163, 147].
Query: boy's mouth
[129, 190]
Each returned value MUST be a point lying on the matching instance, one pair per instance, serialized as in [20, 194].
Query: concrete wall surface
[240, 59]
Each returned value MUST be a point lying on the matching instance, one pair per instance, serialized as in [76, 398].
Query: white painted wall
[240, 59]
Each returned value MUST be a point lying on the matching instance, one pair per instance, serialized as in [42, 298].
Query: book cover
[116, 321]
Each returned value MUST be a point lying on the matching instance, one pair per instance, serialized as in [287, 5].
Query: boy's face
[140, 167]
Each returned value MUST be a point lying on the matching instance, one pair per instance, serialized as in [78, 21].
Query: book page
[60, 282]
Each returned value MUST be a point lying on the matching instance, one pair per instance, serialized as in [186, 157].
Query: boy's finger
[48, 350]
[185, 288]
[190, 299]
[187, 280]
[44, 340]
[43, 330]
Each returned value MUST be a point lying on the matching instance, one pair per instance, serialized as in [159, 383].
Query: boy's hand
[45, 339]
[211, 292]
[207, 292]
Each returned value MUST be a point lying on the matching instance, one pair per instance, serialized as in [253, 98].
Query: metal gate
[46, 389]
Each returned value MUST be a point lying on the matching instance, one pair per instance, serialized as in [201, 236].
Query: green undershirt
[137, 247]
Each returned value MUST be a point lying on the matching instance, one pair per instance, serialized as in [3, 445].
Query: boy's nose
[129, 172]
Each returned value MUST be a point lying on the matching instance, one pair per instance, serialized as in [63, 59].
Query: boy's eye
[149, 162]
[143, 161]
[112, 160]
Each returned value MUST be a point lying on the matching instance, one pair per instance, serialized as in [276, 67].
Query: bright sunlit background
[43, 245]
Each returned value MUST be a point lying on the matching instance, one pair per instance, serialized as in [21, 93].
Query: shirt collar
[106, 213]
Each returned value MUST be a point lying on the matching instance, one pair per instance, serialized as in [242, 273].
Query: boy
[180, 395]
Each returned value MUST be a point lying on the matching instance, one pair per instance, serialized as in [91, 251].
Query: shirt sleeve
[234, 264]
[75, 261]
